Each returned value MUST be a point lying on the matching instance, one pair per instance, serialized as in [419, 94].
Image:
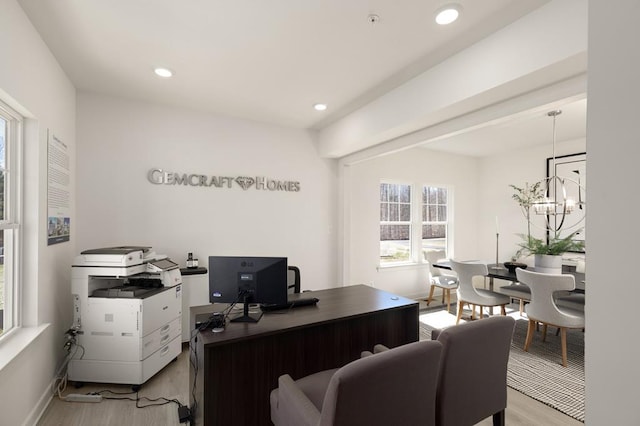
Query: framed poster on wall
[572, 169]
[58, 191]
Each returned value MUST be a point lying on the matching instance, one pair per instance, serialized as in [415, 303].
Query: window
[409, 227]
[10, 134]
[434, 218]
[395, 223]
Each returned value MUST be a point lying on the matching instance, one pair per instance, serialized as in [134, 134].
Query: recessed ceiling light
[163, 72]
[320, 107]
[448, 14]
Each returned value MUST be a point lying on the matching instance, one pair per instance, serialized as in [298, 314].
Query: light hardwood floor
[521, 410]
[173, 382]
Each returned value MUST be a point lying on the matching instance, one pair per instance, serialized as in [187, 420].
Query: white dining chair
[543, 307]
[439, 279]
[468, 294]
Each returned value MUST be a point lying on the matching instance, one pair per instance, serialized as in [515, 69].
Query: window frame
[408, 223]
[10, 223]
[446, 222]
[416, 223]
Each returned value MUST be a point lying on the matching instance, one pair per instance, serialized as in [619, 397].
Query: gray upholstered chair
[468, 294]
[472, 383]
[438, 279]
[543, 307]
[473, 371]
[397, 387]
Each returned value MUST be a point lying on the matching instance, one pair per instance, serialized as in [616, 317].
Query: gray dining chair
[574, 301]
[468, 294]
[544, 309]
[518, 291]
[439, 279]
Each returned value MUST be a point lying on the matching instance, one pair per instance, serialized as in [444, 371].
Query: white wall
[122, 140]
[32, 82]
[480, 193]
[612, 351]
[419, 166]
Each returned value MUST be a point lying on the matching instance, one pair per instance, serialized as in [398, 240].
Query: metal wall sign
[164, 177]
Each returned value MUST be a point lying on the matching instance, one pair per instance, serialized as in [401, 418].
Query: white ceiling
[519, 131]
[265, 60]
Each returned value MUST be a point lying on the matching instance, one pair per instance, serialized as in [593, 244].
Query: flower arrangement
[554, 247]
[527, 197]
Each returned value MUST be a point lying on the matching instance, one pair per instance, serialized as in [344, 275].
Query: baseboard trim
[39, 409]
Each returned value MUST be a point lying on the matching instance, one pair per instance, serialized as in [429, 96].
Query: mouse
[217, 329]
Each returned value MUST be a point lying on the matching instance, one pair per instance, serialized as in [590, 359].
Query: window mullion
[396, 231]
[416, 225]
[436, 205]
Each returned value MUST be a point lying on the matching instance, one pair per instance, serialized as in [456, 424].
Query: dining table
[499, 271]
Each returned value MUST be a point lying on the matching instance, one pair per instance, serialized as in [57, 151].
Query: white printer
[127, 305]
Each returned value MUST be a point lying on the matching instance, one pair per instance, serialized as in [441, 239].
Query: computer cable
[193, 358]
[184, 414]
[137, 399]
[71, 346]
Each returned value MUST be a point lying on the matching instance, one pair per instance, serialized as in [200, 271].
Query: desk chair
[470, 295]
[544, 308]
[438, 279]
[293, 279]
[397, 387]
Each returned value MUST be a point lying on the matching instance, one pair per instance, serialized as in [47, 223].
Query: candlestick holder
[497, 266]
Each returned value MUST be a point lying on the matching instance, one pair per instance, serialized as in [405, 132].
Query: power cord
[184, 414]
[72, 347]
[137, 399]
[193, 349]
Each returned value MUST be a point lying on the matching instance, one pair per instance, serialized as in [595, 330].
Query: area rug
[538, 373]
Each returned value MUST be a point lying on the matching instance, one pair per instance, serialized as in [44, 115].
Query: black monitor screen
[234, 279]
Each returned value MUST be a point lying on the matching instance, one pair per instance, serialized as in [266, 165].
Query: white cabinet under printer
[126, 332]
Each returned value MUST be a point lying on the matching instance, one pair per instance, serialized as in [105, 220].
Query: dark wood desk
[238, 368]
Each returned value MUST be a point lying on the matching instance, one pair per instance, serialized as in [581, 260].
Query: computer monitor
[234, 279]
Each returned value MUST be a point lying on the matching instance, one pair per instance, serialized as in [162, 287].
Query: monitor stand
[246, 316]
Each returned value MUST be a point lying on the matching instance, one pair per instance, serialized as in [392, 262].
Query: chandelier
[555, 205]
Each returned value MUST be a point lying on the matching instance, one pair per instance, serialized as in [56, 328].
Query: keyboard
[294, 303]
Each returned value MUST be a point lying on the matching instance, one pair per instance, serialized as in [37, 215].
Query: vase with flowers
[548, 254]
